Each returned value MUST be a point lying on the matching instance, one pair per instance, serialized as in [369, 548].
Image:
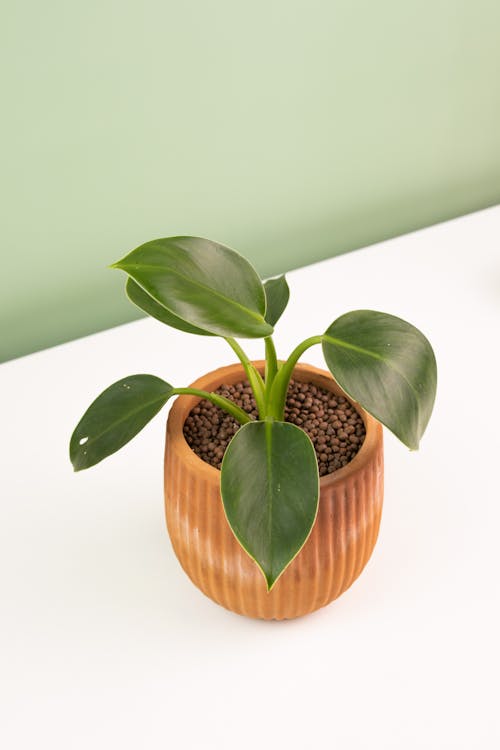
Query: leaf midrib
[260, 318]
[132, 281]
[90, 441]
[269, 430]
[374, 355]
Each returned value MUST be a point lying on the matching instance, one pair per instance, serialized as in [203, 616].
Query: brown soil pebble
[333, 424]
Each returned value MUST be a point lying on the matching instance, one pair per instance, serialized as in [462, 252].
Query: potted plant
[264, 535]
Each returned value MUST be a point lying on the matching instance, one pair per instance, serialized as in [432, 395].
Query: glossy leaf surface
[388, 366]
[277, 296]
[202, 282]
[115, 417]
[270, 490]
[139, 297]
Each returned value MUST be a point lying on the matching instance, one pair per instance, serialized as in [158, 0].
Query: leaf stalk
[253, 375]
[224, 403]
[277, 397]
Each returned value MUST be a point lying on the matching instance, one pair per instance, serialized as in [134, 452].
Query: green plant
[269, 476]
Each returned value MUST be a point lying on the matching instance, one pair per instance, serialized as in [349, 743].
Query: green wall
[291, 131]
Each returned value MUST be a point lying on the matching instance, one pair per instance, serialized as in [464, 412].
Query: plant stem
[277, 397]
[253, 375]
[224, 403]
[271, 365]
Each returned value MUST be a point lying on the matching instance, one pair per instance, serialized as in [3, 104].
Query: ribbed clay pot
[337, 550]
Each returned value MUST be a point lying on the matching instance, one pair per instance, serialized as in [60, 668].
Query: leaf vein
[130, 414]
[206, 288]
[374, 355]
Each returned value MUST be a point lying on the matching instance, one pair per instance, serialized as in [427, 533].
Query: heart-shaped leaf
[115, 417]
[388, 366]
[277, 295]
[270, 490]
[202, 282]
[139, 297]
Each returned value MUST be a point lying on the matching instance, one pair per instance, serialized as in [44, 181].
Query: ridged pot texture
[339, 545]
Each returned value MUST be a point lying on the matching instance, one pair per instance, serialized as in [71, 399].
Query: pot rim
[234, 372]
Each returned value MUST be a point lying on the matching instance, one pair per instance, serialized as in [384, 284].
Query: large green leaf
[270, 490]
[202, 282]
[388, 366]
[139, 297]
[115, 417]
[277, 295]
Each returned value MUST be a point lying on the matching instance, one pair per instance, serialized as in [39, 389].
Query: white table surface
[105, 643]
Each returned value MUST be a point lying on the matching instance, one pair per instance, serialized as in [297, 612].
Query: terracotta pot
[336, 551]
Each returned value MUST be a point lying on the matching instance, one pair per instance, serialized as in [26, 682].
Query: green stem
[277, 397]
[271, 365]
[224, 403]
[253, 375]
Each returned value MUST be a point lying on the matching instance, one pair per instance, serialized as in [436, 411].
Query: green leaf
[270, 490]
[277, 295]
[202, 282]
[115, 417]
[139, 297]
[388, 366]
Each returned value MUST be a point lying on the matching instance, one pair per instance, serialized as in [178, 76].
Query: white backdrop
[105, 643]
